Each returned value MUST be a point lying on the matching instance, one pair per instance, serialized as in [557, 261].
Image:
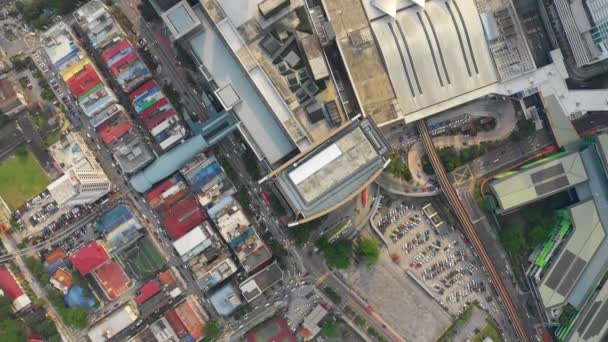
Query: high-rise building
[80, 186]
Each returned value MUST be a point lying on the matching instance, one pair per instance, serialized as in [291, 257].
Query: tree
[6, 308]
[331, 329]
[398, 167]
[300, 234]
[512, 237]
[213, 331]
[251, 163]
[47, 95]
[337, 254]
[12, 330]
[75, 317]
[147, 11]
[41, 325]
[525, 128]
[368, 250]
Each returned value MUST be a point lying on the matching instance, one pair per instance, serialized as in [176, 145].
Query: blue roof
[114, 218]
[75, 298]
[50, 269]
[220, 300]
[168, 163]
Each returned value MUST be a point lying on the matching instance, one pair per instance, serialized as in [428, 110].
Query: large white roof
[190, 241]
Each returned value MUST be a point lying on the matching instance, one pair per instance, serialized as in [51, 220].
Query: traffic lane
[518, 297]
[167, 62]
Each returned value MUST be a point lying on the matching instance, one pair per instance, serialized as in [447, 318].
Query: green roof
[542, 180]
[574, 257]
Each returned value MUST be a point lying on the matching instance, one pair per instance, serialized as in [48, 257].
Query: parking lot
[435, 254]
[41, 215]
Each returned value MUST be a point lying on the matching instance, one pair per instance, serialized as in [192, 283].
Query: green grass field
[21, 178]
[142, 261]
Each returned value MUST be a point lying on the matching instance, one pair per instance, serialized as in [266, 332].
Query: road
[166, 58]
[471, 233]
[66, 333]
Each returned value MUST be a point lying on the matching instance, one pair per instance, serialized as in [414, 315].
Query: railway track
[466, 223]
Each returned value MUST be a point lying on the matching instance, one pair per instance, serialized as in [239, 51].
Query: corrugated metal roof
[168, 163]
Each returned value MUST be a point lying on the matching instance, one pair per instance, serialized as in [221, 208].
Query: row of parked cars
[64, 220]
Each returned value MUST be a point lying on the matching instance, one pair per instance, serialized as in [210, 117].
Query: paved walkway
[505, 123]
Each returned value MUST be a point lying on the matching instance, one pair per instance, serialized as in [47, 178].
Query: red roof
[8, 284]
[110, 132]
[114, 49]
[113, 279]
[144, 88]
[89, 258]
[181, 218]
[149, 290]
[175, 322]
[154, 121]
[83, 81]
[159, 189]
[153, 108]
[168, 202]
[129, 58]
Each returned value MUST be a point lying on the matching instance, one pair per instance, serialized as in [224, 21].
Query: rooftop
[11, 102]
[253, 286]
[113, 279]
[427, 53]
[189, 318]
[577, 253]
[193, 242]
[147, 291]
[540, 180]
[266, 134]
[132, 153]
[168, 163]
[113, 323]
[69, 151]
[591, 325]
[210, 273]
[89, 258]
[334, 171]
[363, 60]
[180, 19]
[225, 300]
[159, 331]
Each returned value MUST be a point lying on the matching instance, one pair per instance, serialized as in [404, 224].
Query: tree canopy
[331, 329]
[213, 331]
[368, 250]
[12, 330]
[525, 128]
[337, 254]
[512, 237]
[398, 167]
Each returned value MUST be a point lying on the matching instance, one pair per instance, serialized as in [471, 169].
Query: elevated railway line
[469, 230]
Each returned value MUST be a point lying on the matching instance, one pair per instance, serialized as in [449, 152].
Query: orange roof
[63, 277]
[190, 320]
[57, 254]
[305, 333]
[175, 322]
[166, 278]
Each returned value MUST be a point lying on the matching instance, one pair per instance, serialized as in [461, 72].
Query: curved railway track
[466, 223]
